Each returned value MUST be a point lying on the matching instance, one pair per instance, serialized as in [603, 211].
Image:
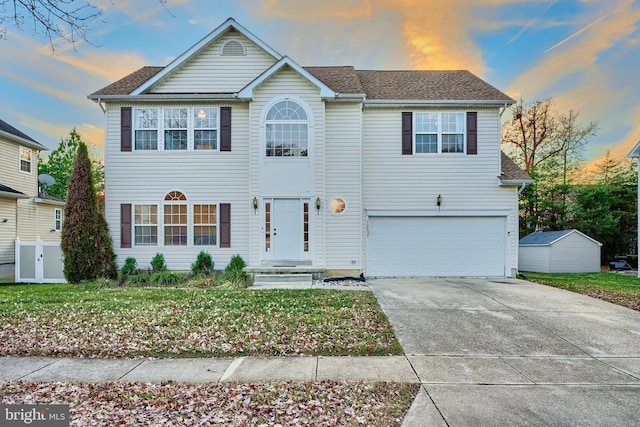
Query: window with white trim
[287, 128]
[439, 132]
[175, 219]
[205, 225]
[146, 125]
[26, 156]
[205, 128]
[145, 224]
[58, 219]
[176, 128]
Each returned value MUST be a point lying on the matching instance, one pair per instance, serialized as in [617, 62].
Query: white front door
[286, 229]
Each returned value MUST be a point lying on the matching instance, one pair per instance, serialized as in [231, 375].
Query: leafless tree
[68, 20]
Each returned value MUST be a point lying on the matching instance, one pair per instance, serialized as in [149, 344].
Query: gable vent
[233, 48]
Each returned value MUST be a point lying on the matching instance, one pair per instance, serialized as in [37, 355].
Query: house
[566, 251]
[234, 148]
[25, 213]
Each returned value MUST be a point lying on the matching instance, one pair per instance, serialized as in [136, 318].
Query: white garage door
[436, 246]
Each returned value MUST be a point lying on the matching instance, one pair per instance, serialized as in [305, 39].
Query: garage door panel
[436, 246]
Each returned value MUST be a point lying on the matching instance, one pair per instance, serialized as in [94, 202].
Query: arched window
[175, 219]
[287, 130]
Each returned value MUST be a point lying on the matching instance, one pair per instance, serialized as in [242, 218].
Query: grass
[79, 320]
[617, 288]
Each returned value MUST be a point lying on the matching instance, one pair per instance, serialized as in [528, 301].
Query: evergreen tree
[86, 243]
[59, 164]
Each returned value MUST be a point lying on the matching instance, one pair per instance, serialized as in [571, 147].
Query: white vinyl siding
[204, 176]
[343, 180]
[232, 72]
[10, 169]
[466, 183]
[7, 230]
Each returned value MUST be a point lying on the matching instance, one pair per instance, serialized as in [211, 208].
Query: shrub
[234, 274]
[166, 278]
[157, 263]
[138, 280]
[130, 266]
[203, 264]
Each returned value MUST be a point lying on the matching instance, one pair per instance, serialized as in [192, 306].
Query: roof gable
[181, 60]
[547, 238]
[512, 173]
[247, 91]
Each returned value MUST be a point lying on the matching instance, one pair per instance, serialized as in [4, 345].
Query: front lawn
[610, 286]
[75, 320]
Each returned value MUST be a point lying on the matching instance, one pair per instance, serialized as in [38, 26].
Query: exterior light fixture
[438, 200]
[255, 203]
[318, 204]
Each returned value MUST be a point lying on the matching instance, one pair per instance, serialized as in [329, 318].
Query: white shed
[566, 251]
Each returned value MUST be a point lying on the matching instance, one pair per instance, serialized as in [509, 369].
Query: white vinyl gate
[39, 262]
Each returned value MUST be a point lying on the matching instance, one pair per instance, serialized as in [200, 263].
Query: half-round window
[337, 206]
[287, 128]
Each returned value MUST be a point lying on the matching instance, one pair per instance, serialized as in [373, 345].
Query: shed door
[436, 246]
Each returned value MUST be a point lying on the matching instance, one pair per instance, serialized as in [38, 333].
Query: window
[175, 219]
[25, 159]
[145, 222]
[205, 225]
[287, 130]
[337, 206]
[146, 128]
[205, 123]
[439, 132]
[175, 128]
[58, 219]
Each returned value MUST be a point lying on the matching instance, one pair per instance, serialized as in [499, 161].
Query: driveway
[510, 352]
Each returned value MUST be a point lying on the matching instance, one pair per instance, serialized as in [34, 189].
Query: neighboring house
[25, 213]
[233, 148]
[566, 251]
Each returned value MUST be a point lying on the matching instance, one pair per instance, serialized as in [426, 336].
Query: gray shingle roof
[129, 83]
[458, 85]
[546, 238]
[340, 79]
[512, 172]
[6, 189]
[6, 127]
[405, 85]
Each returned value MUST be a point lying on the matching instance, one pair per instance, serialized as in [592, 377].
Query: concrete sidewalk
[192, 370]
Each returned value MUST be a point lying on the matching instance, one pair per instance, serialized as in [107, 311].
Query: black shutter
[472, 133]
[125, 225]
[225, 225]
[407, 133]
[225, 128]
[125, 129]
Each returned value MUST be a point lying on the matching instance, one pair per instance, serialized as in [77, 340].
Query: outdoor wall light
[318, 204]
[5, 220]
[255, 203]
[438, 200]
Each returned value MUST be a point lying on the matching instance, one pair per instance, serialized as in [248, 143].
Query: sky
[585, 54]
